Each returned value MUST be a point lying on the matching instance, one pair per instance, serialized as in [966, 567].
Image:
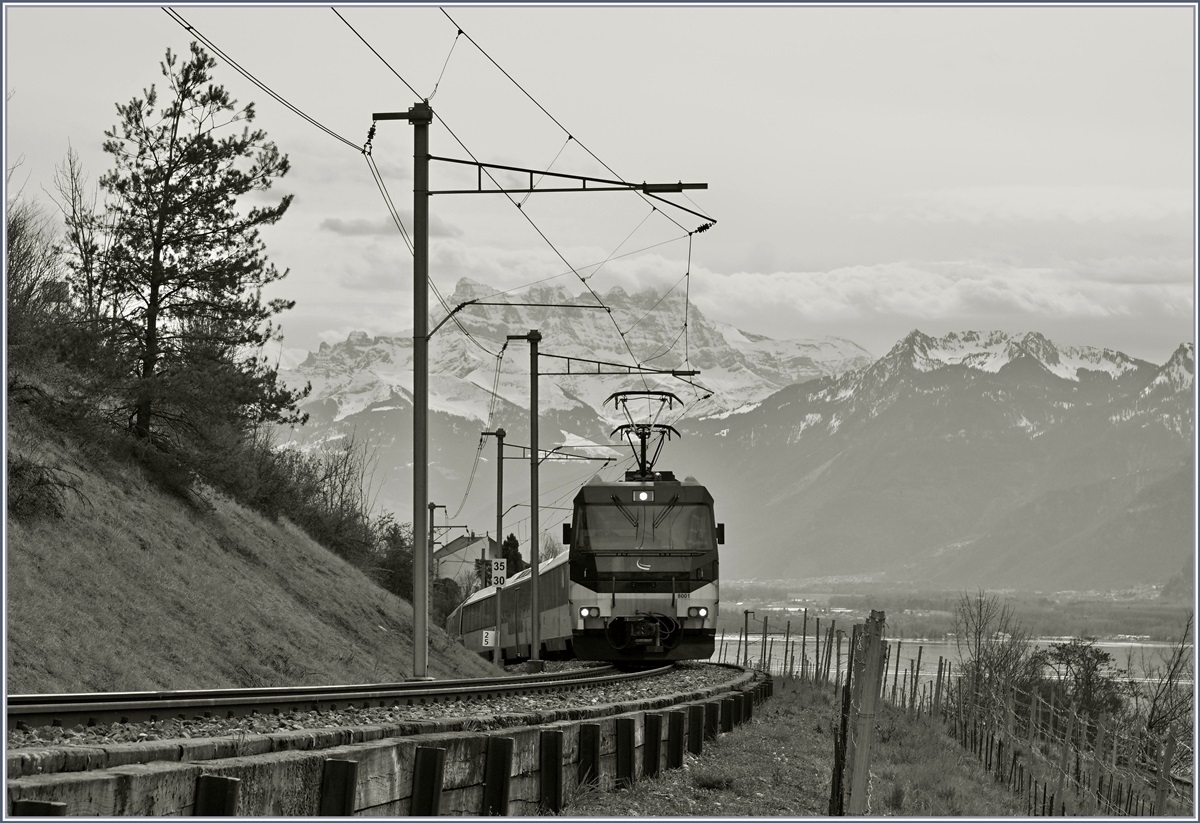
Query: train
[637, 583]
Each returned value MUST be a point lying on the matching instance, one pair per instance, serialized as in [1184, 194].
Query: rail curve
[29, 711]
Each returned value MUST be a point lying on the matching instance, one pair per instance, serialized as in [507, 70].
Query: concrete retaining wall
[376, 777]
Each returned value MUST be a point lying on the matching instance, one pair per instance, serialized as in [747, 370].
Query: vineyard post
[762, 652]
[1097, 760]
[896, 671]
[804, 645]
[1063, 761]
[949, 682]
[1164, 771]
[816, 672]
[867, 689]
[1035, 707]
[916, 678]
[787, 636]
[1083, 773]
[835, 641]
[829, 637]
[937, 688]
[837, 670]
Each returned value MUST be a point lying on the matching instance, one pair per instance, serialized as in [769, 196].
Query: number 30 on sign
[499, 572]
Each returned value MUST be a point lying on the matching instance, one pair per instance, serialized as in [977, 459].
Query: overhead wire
[509, 196]
[534, 100]
[178, 18]
[570, 137]
[495, 394]
[444, 65]
[365, 150]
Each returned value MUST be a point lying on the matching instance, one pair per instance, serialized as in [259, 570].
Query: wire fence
[1058, 759]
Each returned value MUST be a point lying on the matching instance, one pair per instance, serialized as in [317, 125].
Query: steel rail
[31, 711]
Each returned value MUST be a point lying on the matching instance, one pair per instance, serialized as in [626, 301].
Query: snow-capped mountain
[362, 387]
[644, 329]
[972, 459]
[976, 458]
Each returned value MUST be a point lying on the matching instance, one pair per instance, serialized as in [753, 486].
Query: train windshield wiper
[630, 516]
[672, 503]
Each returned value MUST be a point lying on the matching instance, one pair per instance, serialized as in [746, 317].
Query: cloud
[1006, 204]
[943, 291]
[384, 226]
[359, 227]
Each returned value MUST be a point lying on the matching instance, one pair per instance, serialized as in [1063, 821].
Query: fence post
[1064, 762]
[429, 764]
[216, 796]
[626, 744]
[497, 771]
[762, 652]
[550, 754]
[337, 787]
[39, 808]
[816, 677]
[863, 731]
[896, 671]
[652, 725]
[937, 688]
[804, 645]
[695, 732]
[1164, 772]
[787, 637]
[589, 754]
[675, 726]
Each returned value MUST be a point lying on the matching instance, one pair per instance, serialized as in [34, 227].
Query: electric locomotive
[638, 582]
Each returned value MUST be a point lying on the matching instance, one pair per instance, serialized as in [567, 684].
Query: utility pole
[420, 116]
[535, 629]
[499, 435]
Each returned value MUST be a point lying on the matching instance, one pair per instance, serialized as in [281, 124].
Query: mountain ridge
[901, 465]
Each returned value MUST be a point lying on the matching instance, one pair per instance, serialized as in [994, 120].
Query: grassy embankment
[129, 588]
[780, 765]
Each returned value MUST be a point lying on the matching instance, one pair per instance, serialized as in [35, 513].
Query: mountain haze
[973, 459]
[976, 458]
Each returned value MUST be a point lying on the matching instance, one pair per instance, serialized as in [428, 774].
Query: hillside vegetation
[115, 584]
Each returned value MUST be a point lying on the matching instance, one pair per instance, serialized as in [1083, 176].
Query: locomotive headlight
[589, 611]
[697, 611]
[643, 495]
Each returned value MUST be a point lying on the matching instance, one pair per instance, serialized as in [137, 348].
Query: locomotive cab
[644, 569]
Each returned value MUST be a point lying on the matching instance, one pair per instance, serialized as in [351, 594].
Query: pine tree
[188, 265]
[512, 554]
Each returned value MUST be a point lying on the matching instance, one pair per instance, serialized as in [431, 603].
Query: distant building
[457, 559]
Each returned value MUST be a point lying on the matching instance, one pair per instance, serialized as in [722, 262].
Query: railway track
[33, 711]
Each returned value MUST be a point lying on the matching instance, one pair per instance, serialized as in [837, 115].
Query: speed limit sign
[499, 572]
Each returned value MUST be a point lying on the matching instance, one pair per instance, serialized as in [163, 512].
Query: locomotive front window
[666, 526]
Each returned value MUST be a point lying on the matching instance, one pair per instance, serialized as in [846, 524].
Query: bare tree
[33, 270]
[1165, 692]
[550, 548]
[993, 647]
[87, 244]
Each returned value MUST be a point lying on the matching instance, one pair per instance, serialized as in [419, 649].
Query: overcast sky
[871, 170]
